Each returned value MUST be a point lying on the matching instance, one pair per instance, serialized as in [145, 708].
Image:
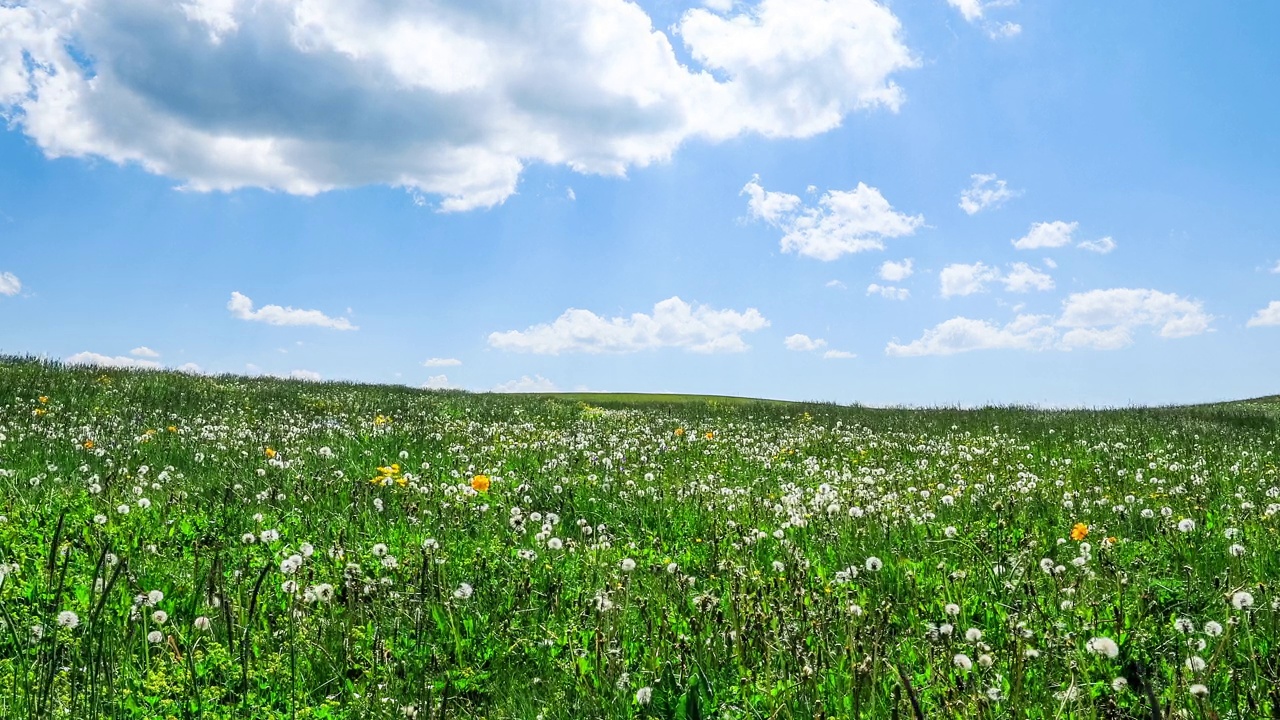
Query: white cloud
[307, 375]
[1276, 269]
[960, 279]
[1047, 235]
[837, 285]
[987, 191]
[441, 362]
[1001, 30]
[719, 5]
[803, 343]
[1267, 316]
[896, 271]
[570, 194]
[9, 283]
[437, 382]
[526, 384]
[838, 355]
[843, 222]
[1102, 246]
[120, 361]
[190, 368]
[888, 291]
[1098, 320]
[1024, 278]
[1050, 263]
[674, 323]
[446, 98]
[242, 307]
[975, 12]
[961, 334]
[144, 351]
[1174, 316]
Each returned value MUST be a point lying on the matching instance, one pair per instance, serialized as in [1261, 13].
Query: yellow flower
[39, 411]
[44, 399]
[173, 428]
[88, 444]
[1079, 531]
[270, 453]
[710, 435]
[480, 483]
[679, 432]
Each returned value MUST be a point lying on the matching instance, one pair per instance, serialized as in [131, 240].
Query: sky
[936, 202]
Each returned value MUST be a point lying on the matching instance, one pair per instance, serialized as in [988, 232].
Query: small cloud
[307, 375]
[437, 382]
[121, 361]
[242, 308]
[1047, 235]
[526, 384]
[1050, 263]
[987, 191]
[837, 285]
[1268, 316]
[10, 284]
[803, 343]
[569, 193]
[999, 31]
[1024, 278]
[960, 280]
[144, 351]
[888, 291]
[1276, 269]
[896, 271]
[838, 355]
[190, 369]
[1102, 246]
[441, 362]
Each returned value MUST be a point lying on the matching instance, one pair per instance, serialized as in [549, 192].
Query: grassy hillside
[223, 547]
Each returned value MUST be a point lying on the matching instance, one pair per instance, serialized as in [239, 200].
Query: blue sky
[715, 197]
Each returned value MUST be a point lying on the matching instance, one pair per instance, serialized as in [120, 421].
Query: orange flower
[1079, 531]
[480, 483]
[88, 444]
[710, 435]
[270, 453]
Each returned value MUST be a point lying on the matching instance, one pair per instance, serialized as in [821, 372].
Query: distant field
[221, 547]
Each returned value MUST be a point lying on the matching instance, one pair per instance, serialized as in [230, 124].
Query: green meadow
[180, 546]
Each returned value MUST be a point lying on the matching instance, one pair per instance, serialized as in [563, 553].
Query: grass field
[219, 547]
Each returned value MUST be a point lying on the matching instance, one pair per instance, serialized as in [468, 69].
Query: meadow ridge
[186, 546]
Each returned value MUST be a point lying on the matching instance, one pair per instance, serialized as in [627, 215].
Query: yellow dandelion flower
[1079, 531]
[480, 483]
[270, 453]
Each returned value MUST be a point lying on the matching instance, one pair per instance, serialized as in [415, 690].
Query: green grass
[631, 557]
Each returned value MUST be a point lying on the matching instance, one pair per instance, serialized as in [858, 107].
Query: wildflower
[99, 519]
[555, 544]
[950, 531]
[248, 538]
[1104, 646]
[270, 453]
[88, 444]
[1195, 663]
[159, 617]
[628, 565]
[778, 566]
[1242, 600]
[123, 509]
[985, 660]
[1184, 625]
[202, 624]
[289, 587]
[962, 661]
[155, 637]
[952, 609]
[68, 619]
[1236, 550]
[1079, 531]
[679, 431]
[1212, 629]
[480, 483]
[874, 564]
[672, 568]
[1119, 684]
[973, 635]
[463, 592]
[1199, 690]
[1186, 525]
[380, 549]
[644, 695]
[154, 597]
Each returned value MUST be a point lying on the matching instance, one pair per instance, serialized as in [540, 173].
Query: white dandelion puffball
[644, 695]
[202, 624]
[1242, 600]
[973, 635]
[627, 565]
[1186, 525]
[952, 609]
[962, 661]
[68, 619]
[155, 637]
[874, 564]
[463, 592]
[1103, 646]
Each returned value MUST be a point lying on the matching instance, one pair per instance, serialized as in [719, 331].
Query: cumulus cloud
[526, 384]
[190, 368]
[975, 11]
[447, 98]
[437, 382]
[9, 283]
[803, 343]
[1267, 316]
[837, 285]
[961, 334]
[119, 361]
[959, 279]
[987, 191]
[307, 375]
[838, 355]
[1047, 235]
[896, 271]
[1102, 246]
[843, 222]
[888, 291]
[441, 362]
[673, 323]
[1024, 278]
[1098, 320]
[1276, 269]
[144, 351]
[242, 307]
